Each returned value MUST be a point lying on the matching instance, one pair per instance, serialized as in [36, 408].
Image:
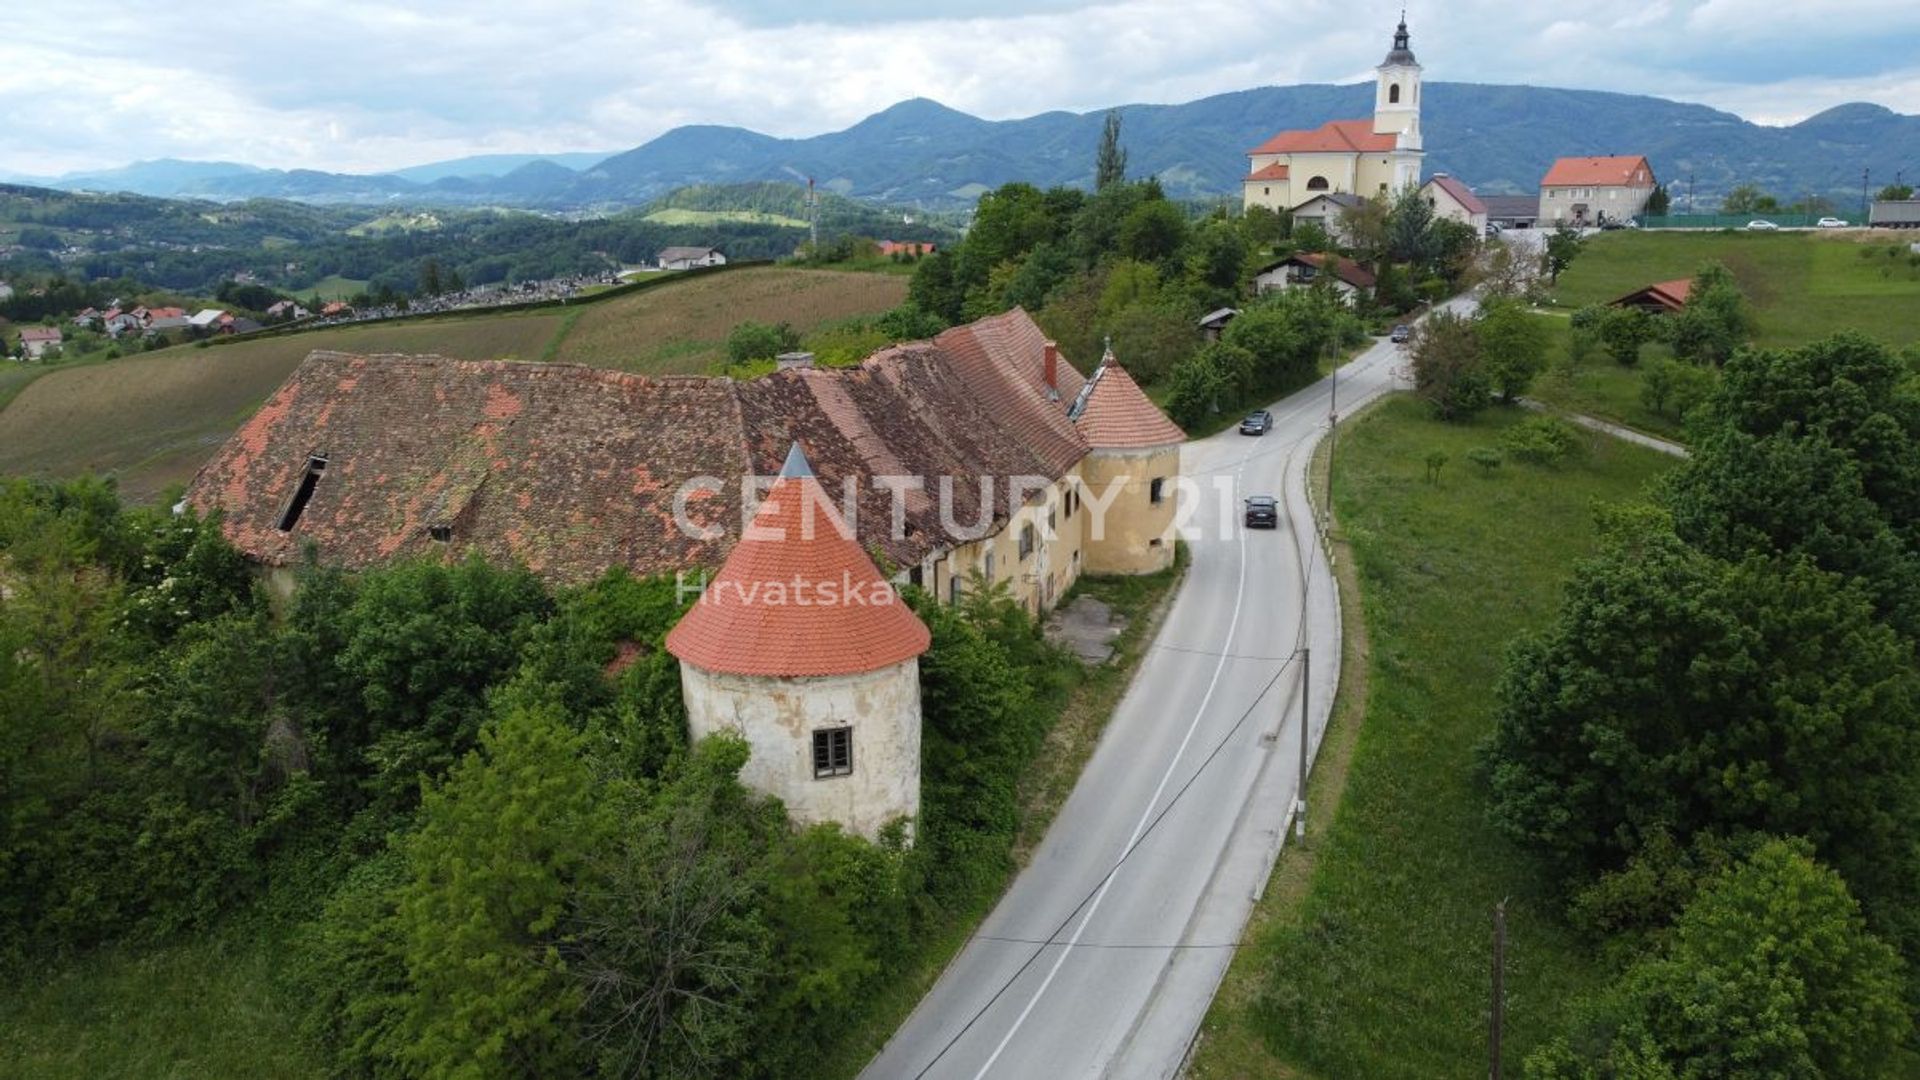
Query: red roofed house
[978, 456]
[913, 248]
[37, 341]
[802, 648]
[1455, 201]
[1359, 157]
[1591, 190]
[1304, 269]
[1659, 298]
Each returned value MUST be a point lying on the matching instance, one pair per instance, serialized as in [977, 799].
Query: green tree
[1675, 389]
[1895, 193]
[1681, 694]
[1155, 231]
[1743, 199]
[1110, 164]
[499, 847]
[755, 342]
[1513, 346]
[1410, 236]
[1659, 202]
[1715, 321]
[1563, 246]
[1199, 387]
[1448, 372]
[1622, 331]
[1770, 972]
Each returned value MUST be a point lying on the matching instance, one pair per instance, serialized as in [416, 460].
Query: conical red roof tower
[798, 597]
[1115, 414]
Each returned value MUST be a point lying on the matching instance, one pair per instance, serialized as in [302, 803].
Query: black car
[1401, 333]
[1258, 422]
[1263, 512]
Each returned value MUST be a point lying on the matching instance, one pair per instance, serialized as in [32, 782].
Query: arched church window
[1393, 94]
[1318, 183]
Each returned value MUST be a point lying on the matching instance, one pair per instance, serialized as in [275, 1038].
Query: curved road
[1103, 956]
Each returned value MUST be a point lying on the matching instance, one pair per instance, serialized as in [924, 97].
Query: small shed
[1659, 298]
[1213, 322]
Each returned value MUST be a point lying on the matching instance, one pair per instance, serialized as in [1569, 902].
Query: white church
[1352, 157]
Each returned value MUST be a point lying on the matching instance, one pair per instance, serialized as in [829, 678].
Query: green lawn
[1803, 286]
[206, 1008]
[1372, 962]
[332, 288]
[1599, 387]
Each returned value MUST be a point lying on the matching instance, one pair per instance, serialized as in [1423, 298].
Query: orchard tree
[1563, 246]
[1513, 347]
[1447, 369]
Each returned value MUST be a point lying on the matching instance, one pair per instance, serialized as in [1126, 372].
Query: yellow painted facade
[1135, 529]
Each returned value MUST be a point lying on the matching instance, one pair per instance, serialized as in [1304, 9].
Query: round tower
[1396, 98]
[801, 647]
[1131, 473]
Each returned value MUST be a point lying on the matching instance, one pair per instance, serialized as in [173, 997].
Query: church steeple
[1396, 100]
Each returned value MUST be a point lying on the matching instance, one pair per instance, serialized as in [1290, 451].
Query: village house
[1455, 201]
[1001, 463]
[1592, 190]
[1329, 212]
[286, 309]
[915, 248]
[1305, 269]
[689, 258]
[1512, 211]
[1355, 157]
[37, 341]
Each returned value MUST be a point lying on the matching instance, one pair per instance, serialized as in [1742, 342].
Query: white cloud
[368, 84]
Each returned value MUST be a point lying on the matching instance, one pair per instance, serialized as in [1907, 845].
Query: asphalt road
[1103, 956]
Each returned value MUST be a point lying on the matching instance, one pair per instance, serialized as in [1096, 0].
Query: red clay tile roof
[1618, 171]
[1345, 269]
[1117, 414]
[1271, 172]
[1334, 136]
[1460, 192]
[571, 470]
[798, 597]
[1671, 295]
[39, 333]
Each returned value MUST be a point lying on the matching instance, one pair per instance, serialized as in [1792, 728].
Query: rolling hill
[919, 152]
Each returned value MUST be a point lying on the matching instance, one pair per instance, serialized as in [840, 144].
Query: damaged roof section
[571, 470]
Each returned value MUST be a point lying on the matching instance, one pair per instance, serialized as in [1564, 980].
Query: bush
[1674, 389]
[1447, 369]
[1540, 440]
[749, 342]
[1486, 457]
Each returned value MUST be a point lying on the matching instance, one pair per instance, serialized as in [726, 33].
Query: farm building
[688, 258]
[978, 457]
[1659, 298]
[1512, 211]
[1455, 201]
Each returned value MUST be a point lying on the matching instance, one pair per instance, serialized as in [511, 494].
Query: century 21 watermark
[966, 509]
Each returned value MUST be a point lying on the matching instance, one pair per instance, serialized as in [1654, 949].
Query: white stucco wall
[778, 717]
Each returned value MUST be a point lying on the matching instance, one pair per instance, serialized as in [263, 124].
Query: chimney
[789, 360]
[1052, 354]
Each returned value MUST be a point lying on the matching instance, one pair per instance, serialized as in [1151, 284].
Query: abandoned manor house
[978, 456]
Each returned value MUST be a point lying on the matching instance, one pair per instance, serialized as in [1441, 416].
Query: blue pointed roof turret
[797, 465]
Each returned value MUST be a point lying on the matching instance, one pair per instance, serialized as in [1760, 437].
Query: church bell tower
[1396, 99]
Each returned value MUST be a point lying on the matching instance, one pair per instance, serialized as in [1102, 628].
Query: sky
[366, 85]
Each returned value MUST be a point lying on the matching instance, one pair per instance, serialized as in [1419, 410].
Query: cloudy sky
[362, 85]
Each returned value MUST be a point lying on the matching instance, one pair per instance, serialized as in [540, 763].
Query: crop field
[682, 329]
[1803, 286]
[152, 419]
[676, 215]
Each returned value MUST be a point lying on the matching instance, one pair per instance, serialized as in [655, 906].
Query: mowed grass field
[152, 419]
[683, 328]
[1803, 286]
[1371, 963]
[1598, 386]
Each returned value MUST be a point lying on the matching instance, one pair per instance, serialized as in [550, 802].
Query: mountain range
[1499, 139]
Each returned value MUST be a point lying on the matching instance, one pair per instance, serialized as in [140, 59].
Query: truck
[1895, 214]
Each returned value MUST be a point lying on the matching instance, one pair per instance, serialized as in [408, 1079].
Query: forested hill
[1498, 138]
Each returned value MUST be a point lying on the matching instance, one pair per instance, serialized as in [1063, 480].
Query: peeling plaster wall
[1133, 521]
[778, 716]
[1038, 581]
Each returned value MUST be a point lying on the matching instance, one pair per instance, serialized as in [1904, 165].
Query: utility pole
[1300, 791]
[1689, 194]
[1497, 1019]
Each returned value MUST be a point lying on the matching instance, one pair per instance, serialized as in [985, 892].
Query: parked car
[1612, 224]
[1831, 223]
[1401, 333]
[1761, 225]
[1258, 422]
[1263, 512]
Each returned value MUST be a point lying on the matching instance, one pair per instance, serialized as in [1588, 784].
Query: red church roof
[1117, 415]
[1332, 137]
[1271, 172]
[798, 596]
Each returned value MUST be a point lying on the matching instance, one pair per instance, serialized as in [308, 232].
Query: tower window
[832, 752]
[1393, 94]
[303, 494]
[1158, 491]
